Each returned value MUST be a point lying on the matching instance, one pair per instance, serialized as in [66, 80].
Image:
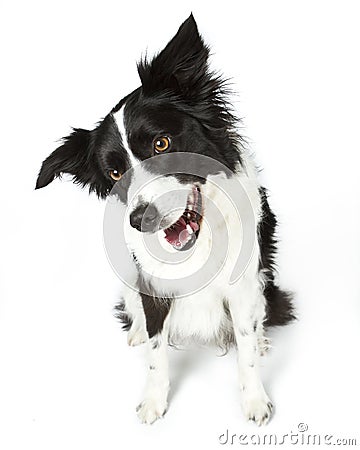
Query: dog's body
[181, 110]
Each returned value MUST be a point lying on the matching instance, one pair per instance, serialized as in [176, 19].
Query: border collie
[171, 151]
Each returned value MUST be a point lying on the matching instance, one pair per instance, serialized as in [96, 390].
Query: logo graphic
[206, 223]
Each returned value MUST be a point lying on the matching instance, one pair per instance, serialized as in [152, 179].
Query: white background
[68, 379]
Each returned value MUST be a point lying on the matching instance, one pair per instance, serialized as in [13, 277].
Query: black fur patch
[279, 307]
[87, 155]
[122, 315]
[181, 95]
[155, 308]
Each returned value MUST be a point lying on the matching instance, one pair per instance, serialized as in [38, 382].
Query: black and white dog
[180, 117]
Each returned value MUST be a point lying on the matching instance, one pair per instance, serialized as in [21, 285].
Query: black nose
[145, 218]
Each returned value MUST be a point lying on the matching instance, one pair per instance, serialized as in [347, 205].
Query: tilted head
[181, 108]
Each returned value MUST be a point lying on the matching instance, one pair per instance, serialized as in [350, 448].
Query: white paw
[150, 410]
[264, 345]
[257, 409]
[136, 337]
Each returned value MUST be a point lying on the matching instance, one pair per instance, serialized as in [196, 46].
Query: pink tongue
[183, 236]
[194, 226]
[178, 236]
[171, 236]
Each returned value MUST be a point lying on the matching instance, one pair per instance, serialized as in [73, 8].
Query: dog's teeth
[189, 229]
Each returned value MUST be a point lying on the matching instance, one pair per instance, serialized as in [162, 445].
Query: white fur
[201, 315]
[119, 119]
[157, 385]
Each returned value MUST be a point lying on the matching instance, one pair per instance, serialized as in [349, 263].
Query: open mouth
[183, 233]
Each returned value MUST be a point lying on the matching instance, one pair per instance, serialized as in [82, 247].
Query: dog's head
[179, 109]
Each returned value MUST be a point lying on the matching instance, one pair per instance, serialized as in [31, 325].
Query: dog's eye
[115, 175]
[161, 144]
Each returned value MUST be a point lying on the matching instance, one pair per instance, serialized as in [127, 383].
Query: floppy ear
[181, 66]
[72, 157]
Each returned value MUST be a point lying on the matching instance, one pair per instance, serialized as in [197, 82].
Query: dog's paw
[264, 345]
[150, 410]
[257, 409]
[136, 337]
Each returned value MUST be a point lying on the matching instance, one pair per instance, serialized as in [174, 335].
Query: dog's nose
[145, 218]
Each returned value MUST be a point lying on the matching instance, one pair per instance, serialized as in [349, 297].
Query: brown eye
[115, 175]
[161, 144]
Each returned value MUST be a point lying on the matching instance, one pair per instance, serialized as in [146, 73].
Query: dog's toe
[258, 409]
[150, 410]
[264, 345]
[136, 337]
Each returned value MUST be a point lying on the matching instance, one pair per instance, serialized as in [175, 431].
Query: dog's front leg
[247, 309]
[157, 384]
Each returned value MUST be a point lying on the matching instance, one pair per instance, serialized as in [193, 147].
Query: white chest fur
[199, 307]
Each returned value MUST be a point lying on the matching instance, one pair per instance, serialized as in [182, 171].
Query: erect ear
[181, 66]
[72, 157]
